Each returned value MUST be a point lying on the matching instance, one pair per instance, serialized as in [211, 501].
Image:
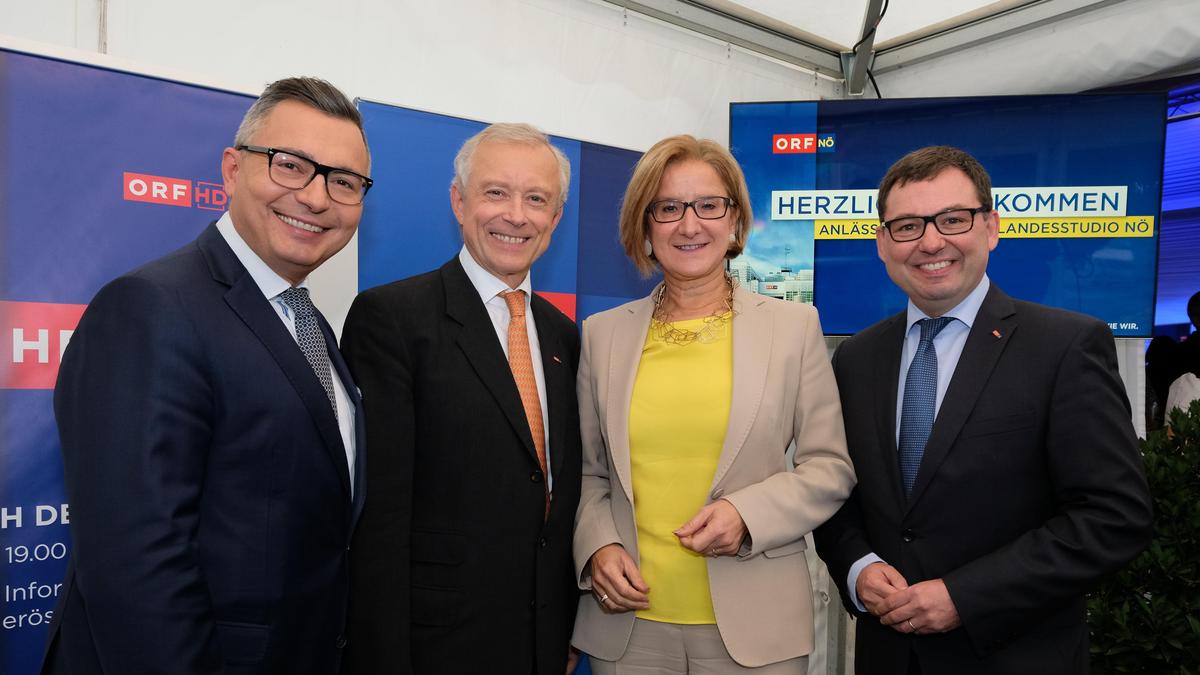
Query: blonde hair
[643, 186]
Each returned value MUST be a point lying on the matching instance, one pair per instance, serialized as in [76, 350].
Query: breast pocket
[242, 643]
[437, 559]
[1000, 424]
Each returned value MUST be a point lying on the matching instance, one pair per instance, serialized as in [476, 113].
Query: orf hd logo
[142, 187]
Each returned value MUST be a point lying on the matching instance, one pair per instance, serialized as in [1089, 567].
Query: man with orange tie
[463, 555]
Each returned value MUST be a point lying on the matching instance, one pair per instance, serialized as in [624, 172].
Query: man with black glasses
[211, 432]
[998, 469]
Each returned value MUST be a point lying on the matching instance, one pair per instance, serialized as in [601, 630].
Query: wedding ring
[910, 625]
[605, 597]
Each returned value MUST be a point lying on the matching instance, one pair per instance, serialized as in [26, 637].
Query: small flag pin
[997, 334]
[556, 359]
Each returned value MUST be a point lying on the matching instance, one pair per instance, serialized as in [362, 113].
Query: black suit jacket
[210, 496]
[1030, 489]
[454, 569]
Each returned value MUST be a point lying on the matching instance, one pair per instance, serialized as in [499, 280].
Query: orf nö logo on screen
[793, 144]
[144, 187]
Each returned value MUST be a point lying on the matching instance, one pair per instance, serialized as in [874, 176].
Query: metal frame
[735, 30]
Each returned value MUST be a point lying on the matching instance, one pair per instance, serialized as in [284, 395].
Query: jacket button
[536, 476]
[341, 641]
[542, 542]
[908, 535]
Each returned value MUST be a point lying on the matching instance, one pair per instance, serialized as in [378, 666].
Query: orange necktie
[521, 362]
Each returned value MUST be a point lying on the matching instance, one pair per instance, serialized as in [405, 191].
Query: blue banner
[100, 171]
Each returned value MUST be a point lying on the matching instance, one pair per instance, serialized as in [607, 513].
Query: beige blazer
[783, 392]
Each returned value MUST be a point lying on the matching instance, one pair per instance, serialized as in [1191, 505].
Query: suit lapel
[479, 345]
[752, 338]
[246, 300]
[560, 382]
[360, 439]
[887, 368]
[625, 354]
[979, 356]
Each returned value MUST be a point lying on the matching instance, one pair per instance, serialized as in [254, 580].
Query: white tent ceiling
[950, 47]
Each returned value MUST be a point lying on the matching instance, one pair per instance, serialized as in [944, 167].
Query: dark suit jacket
[454, 569]
[1030, 489]
[210, 497]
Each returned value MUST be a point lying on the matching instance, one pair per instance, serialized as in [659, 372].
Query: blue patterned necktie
[920, 398]
[310, 338]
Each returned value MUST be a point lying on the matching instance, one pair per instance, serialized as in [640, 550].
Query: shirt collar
[485, 283]
[964, 311]
[270, 283]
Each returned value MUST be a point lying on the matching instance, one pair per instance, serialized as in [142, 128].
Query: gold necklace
[714, 324]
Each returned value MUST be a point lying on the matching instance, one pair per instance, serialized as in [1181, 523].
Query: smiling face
[294, 231]
[509, 207]
[692, 249]
[937, 271]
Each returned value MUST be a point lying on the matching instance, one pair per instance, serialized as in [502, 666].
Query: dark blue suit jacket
[211, 505]
[1030, 490]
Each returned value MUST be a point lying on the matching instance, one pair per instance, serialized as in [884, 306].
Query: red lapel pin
[556, 359]
[997, 334]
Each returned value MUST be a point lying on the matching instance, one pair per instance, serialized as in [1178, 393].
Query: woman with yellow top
[691, 522]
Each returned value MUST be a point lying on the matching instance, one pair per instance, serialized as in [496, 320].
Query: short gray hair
[510, 132]
[310, 91]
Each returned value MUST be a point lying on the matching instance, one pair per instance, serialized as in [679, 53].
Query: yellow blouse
[677, 421]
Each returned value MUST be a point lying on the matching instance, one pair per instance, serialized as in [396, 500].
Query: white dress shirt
[949, 345]
[272, 285]
[489, 289]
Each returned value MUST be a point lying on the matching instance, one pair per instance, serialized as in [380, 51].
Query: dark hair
[310, 91]
[926, 164]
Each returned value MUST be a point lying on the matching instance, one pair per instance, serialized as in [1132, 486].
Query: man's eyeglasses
[953, 221]
[295, 172]
[705, 208]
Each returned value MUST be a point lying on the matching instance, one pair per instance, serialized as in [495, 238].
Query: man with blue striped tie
[998, 469]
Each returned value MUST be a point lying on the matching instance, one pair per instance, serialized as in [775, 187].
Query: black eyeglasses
[295, 172]
[950, 222]
[705, 208]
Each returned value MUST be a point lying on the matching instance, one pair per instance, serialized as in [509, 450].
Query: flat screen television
[1077, 180]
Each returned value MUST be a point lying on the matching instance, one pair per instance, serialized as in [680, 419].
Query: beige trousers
[657, 648]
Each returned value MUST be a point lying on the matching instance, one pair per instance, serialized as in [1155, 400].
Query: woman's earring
[649, 248]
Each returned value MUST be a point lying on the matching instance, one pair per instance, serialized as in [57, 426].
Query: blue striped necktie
[920, 398]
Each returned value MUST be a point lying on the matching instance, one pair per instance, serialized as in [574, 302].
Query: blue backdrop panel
[69, 137]
[606, 277]
[1023, 141]
[409, 227]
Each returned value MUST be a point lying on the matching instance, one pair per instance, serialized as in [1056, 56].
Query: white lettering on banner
[34, 591]
[50, 515]
[33, 618]
[1064, 202]
[822, 204]
[41, 345]
[137, 186]
[1023, 202]
[7, 516]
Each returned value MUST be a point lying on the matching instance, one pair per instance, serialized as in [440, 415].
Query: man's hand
[572, 659]
[877, 582]
[616, 582]
[921, 608]
[717, 529]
